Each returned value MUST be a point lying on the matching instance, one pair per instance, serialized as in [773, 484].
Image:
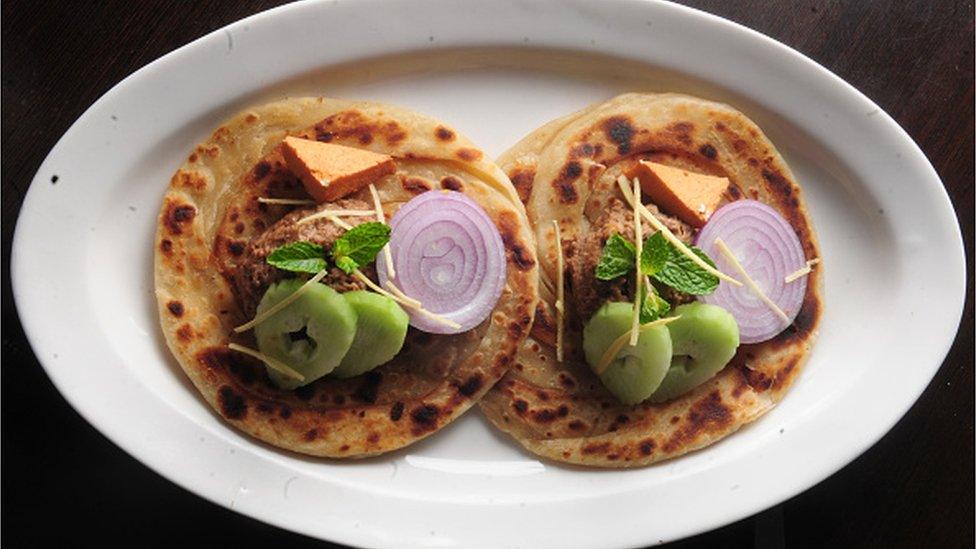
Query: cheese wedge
[330, 172]
[691, 197]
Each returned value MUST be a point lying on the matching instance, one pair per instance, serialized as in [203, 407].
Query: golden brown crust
[211, 211]
[562, 411]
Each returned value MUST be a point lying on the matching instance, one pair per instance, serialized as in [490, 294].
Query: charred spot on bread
[443, 134]
[565, 183]
[396, 411]
[424, 418]
[175, 308]
[451, 183]
[468, 154]
[177, 216]
[619, 130]
[522, 179]
[233, 405]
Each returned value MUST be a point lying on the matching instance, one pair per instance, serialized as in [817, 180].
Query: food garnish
[690, 196]
[272, 363]
[560, 291]
[311, 335]
[704, 339]
[381, 327]
[760, 244]
[802, 271]
[652, 305]
[330, 172]
[702, 345]
[355, 248]
[730, 256]
[286, 201]
[298, 257]
[660, 260]
[614, 349]
[631, 373]
[693, 345]
[666, 264]
[336, 213]
[661, 227]
[279, 305]
[339, 222]
[638, 280]
[639, 369]
[397, 295]
[359, 245]
[617, 258]
[450, 256]
[381, 217]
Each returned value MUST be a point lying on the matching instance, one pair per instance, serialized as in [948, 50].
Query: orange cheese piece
[691, 197]
[330, 172]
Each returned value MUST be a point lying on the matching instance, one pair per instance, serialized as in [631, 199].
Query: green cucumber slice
[381, 327]
[311, 334]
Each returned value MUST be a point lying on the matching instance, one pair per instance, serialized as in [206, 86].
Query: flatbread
[566, 171]
[211, 211]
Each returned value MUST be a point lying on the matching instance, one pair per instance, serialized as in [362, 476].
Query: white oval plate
[82, 260]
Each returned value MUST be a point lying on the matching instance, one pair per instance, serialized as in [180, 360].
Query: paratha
[209, 215]
[566, 171]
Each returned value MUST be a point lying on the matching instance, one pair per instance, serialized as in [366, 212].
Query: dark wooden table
[63, 482]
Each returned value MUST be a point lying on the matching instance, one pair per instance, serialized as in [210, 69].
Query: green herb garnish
[617, 259]
[299, 257]
[359, 245]
[675, 269]
[653, 306]
[655, 254]
[660, 260]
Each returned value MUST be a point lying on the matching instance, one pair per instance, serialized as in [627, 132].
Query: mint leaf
[359, 245]
[617, 258]
[659, 259]
[653, 306]
[347, 264]
[299, 257]
[684, 275]
[654, 254]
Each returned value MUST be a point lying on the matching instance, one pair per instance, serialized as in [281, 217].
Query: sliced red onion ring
[448, 255]
[769, 250]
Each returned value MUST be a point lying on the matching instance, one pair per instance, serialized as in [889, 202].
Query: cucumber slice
[703, 340]
[381, 327]
[636, 372]
[311, 334]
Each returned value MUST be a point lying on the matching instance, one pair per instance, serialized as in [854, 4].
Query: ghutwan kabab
[680, 281]
[342, 278]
